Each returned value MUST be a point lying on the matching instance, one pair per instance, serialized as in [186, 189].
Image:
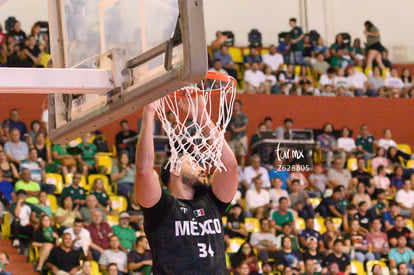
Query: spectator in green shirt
[32, 188]
[66, 161]
[282, 215]
[98, 191]
[296, 43]
[88, 158]
[75, 191]
[365, 143]
[124, 232]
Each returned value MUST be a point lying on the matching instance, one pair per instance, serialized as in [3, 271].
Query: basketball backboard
[137, 51]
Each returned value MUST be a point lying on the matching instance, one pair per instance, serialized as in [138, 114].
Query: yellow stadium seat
[300, 223]
[385, 72]
[252, 225]
[51, 199]
[236, 54]
[5, 226]
[410, 224]
[95, 268]
[337, 223]
[384, 267]
[33, 254]
[320, 225]
[105, 161]
[119, 203]
[264, 51]
[352, 164]
[410, 163]
[369, 167]
[357, 268]
[112, 220]
[405, 148]
[105, 180]
[297, 70]
[246, 51]
[315, 202]
[358, 69]
[234, 244]
[83, 182]
[368, 72]
[56, 180]
[224, 220]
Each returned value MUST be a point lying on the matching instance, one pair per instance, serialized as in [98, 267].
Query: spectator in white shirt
[264, 241]
[255, 171]
[386, 142]
[381, 181]
[379, 159]
[80, 236]
[357, 81]
[345, 144]
[405, 199]
[340, 79]
[257, 199]
[217, 67]
[394, 81]
[273, 59]
[277, 192]
[255, 80]
[327, 79]
[269, 77]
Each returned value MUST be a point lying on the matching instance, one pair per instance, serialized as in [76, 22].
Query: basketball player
[184, 227]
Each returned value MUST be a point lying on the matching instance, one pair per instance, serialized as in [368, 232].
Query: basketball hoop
[200, 138]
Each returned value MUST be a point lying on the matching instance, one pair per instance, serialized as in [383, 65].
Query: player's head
[190, 176]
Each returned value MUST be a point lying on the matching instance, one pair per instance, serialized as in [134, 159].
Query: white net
[195, 119]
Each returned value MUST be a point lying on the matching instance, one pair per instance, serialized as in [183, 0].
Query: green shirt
[76, 193]
[282, 219]
[367, 143]
[60, 151]
[31, 186]
[102, 197]
[126, 236]
[340, 62]
[88, 153]
[46, 210]
[294, 34]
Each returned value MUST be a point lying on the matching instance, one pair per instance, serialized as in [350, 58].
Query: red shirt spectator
[100, 232]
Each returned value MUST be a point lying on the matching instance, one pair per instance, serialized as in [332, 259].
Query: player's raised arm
[147, 188]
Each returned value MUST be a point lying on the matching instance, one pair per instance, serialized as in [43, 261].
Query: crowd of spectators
[302, 64]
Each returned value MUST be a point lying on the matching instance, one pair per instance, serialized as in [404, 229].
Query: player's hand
[187, 104]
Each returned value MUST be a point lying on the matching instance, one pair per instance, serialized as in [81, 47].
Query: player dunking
[184, 228]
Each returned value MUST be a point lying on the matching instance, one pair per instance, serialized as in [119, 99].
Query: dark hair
[112, 264]
[286, 120]
[399, 216]
[123, 121]
[217, 60]
[238, 101]
[368, 24]
[263, 219]
[77, 220]
[140, 238]
[379, 168]
[338, 241]
[165, 172]
[343, 129]
[337, 189]
[62, 201]
[380, 190]
[34, 122]
[295, 181]
[251, 249]
[393, 203]
[281, 199]
[362, 203]
[326, 125]
[268, 118]
[293, 19]
[401, 264]
[261, 124]
[113, 236]
[331, 70]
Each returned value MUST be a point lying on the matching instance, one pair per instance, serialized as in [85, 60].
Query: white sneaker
[16, 243]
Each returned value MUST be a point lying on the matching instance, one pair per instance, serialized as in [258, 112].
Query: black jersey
[186, 236]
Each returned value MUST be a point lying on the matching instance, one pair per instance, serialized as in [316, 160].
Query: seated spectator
[375, 81]
[253, 57]
[86, 268]
[278, 172]
[321, 66]
[396, 157]
[363, 216]
[242, 269]
[326, 143]
[16, 150]
[88, 157]
[255, 80]
[329, 237]
[273, 59]
[91, 205]
[339, 44]
[405, 199]
[114, 255]
[32, 188]
[406, 77]
[339, 60]
[37, 171]
[264, 241]
[360, 175]
[100, 142]
[22, 225]
[34, 130]
[284, 132]
[256, 138]
[339, 176]
[402, 269]
[397, 181]
[235, 221]
[300, 201]
[296, 174]
[219, 41]
[287, 232]
[67, 213]
[139, 258]
[381, 181]
[309, 232]
[124, 232]
[327, 79]
[387, 142]
[14, 122]
[245, 254]
[393, 81]
[75, 191]
[217, 67]
[123, 135]
[32, 51]
[318, 181]
[307, 50]
[288, 77]
[399, 230]
[342, 82]
[361, 195]
[255, 171]
[44, 238]
[80, 236]
[271, 80]
[401, 254]
[377, 240]
[330, 206]
[43, 150]
[100, 194]
[313, 254]
[63, 258]
[63, 159]
[43, 205]
[320, 47]
[123, 175]
[100, 232]
[226, 61]
[289, 258]
[337, 257]
[358, 82]
[8, 173]
[379, 160]
[257, 199]
[277, 192]
[282, 215]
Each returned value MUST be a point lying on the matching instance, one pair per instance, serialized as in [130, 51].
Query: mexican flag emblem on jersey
[199, 212]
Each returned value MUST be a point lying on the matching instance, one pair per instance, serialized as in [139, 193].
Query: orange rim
[212, 76]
